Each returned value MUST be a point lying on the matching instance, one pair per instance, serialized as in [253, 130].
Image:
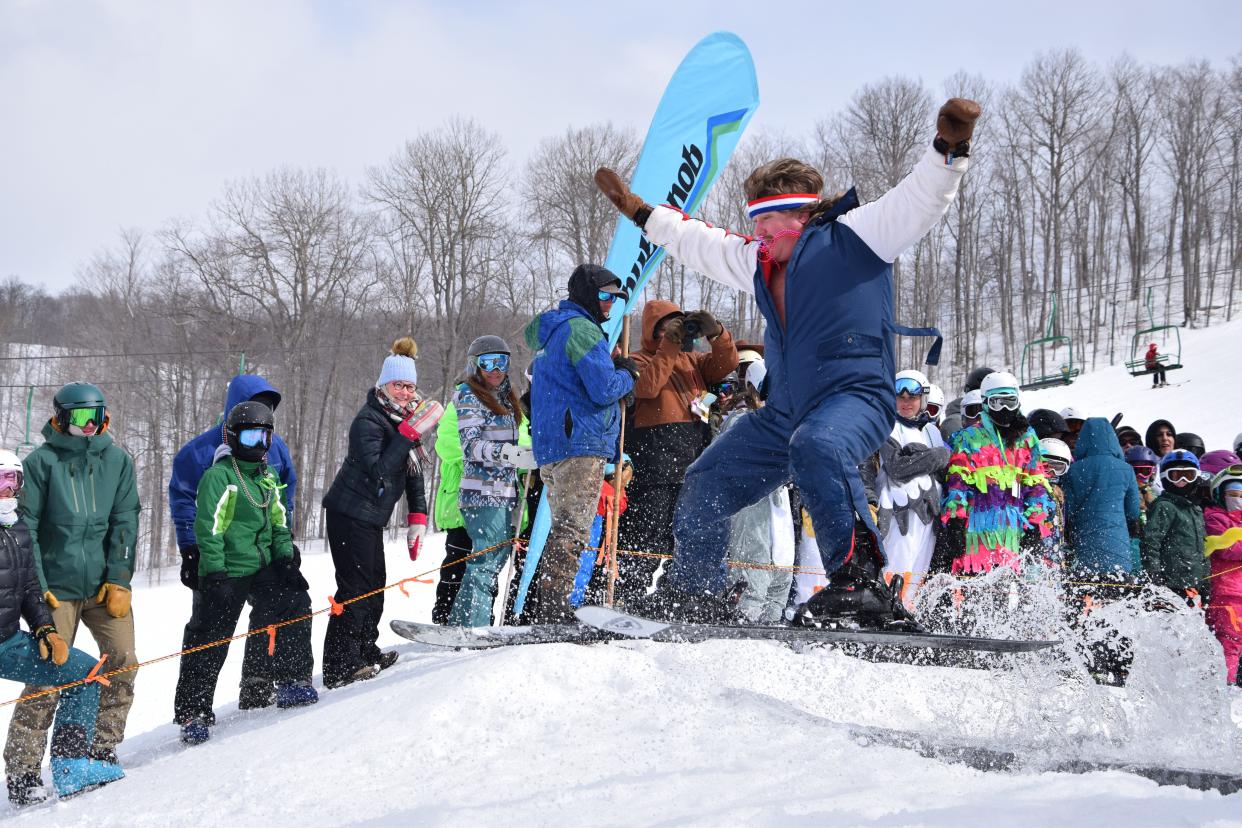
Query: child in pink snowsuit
[1223, 524]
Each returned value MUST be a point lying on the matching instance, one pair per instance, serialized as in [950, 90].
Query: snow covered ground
[641, 733]
[1204, 397]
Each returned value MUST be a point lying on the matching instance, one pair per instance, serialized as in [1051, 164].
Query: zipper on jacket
[90, 473]
[73, 491]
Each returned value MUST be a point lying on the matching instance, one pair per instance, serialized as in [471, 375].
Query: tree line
[1091, 183]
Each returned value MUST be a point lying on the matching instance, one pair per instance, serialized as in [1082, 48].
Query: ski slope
[1203, 397]
[642, 733]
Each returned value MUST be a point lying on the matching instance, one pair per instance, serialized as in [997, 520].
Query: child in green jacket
[1172, 545]
[245, 552]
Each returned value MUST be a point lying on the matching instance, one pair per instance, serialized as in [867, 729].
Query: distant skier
[1152, 362]
[821, 273]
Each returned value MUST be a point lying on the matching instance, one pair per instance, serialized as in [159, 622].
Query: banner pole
[615, 524]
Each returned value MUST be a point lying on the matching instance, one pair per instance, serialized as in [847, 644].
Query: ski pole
[614, 526]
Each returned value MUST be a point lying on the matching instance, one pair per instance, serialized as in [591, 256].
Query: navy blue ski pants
[766, 449]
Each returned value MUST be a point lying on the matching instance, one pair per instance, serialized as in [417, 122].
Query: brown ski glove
[955, 124]
[629, 204]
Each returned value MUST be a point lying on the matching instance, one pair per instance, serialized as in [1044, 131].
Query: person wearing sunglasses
[1102, 512]
[190, 464]
[385, 461]
[1144, 462]
[996, 494]
[41, 657]
[1173, 536]
[1074, 418]
[1129, 437]
[1223, 547]
[489, 416]
[667, 430]
[908, 487]
[245, 555]
[576, 391]
[80, 503]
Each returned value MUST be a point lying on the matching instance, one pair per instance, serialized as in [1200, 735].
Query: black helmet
[76, 396]
[243, 417]
[1191, 442]
[974, 380]
[484, 345]
[1047, 423]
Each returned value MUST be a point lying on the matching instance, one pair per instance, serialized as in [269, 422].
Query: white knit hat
[399, 366]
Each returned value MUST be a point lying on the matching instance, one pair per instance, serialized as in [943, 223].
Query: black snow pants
[358, 555]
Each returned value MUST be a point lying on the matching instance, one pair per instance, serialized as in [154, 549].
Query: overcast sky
[129, 113]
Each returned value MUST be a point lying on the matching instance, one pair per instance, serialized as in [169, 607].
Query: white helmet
[756, 370]
[1052, 447]
[745, 355]
[11, 462]
[936, 397]
[1071, 413]
[972, 397]
[998, 381]
[909, 378]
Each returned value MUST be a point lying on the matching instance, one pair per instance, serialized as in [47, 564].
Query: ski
[619, 624]
[487, 638]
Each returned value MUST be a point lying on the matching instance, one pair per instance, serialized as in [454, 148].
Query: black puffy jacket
[375, 473]
[19, 586]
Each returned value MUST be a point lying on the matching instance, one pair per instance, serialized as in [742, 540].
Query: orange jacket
[670, 378]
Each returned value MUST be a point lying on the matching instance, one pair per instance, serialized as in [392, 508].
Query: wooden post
[612, 526]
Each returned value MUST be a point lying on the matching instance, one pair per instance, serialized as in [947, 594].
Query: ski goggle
[971, 411]
[492, 362]
[251, 437]
[1056, 465]
[1002, 402]
[606, 296]
[933, 409]
[10, 479]
[81, 417]
[724, 388]
[912, 387]
[1180, 475]
[1143, 471]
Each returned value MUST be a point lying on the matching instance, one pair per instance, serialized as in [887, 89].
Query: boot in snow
[295, 694]
[366, 671]
[387, 659]
[668, 603]
[856, 597]
[26, 789]
[75, 776]
[195, 731]
[256, 693]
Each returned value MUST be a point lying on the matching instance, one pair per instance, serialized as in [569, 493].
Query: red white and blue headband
[785, 201]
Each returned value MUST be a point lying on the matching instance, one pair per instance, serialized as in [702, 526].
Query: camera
[693, 330]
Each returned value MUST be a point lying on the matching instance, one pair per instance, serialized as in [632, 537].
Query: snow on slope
[635, 734]
[1209, 402]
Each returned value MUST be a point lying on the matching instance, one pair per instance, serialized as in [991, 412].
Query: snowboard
[487, 638]
[619, 624]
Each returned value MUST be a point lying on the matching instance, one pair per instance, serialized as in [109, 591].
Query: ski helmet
[972, 399]
[1179, 468]
[1072, 413]
[912, 383]
[487, 344]
[1141, 455]
[975, 378]
[999, 382]
[248, 430]
[1191, 442]
[1224, 467]
[79, 396]
[1047, 423]
[935, 403]
[756, 371]
[11, 468]
[1057, 455]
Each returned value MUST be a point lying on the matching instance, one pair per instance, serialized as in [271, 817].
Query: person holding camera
[668, 428]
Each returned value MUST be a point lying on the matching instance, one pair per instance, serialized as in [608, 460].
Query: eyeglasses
[972, 411]
[402, 385]
[1006, 402]
[606, 296]
[1056, 466]
[1180, 475]
[251, 437]
[493, 362]
[933, 409]
[911, 387]
[81, 417]
[1143, 471]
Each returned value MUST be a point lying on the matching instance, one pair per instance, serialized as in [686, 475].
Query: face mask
[1004, 417]
[8, 511]
[1233, 501]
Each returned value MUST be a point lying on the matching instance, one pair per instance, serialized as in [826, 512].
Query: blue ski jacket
[574, 386]
[1101, 498]
[196, 456]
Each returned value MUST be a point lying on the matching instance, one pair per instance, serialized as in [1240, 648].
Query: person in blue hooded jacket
[1101, 504]
[821, 272]
[194, 458]
[575, 421]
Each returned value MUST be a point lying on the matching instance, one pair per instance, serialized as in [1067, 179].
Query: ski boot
[856, 598]
[295, 694]
[668, 603]
[26, 789]
[256, 694]
[363, 673]
[74, 776]
[195, 731]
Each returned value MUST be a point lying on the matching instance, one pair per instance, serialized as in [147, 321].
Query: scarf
[396, 412]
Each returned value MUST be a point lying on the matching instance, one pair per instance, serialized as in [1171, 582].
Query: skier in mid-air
[821, 272]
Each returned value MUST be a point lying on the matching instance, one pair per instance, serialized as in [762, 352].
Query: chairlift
[1169, 348]
[1032, 377]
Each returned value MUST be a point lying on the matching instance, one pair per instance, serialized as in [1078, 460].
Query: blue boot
[195, 732]
[74, 776]
[295, 694]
